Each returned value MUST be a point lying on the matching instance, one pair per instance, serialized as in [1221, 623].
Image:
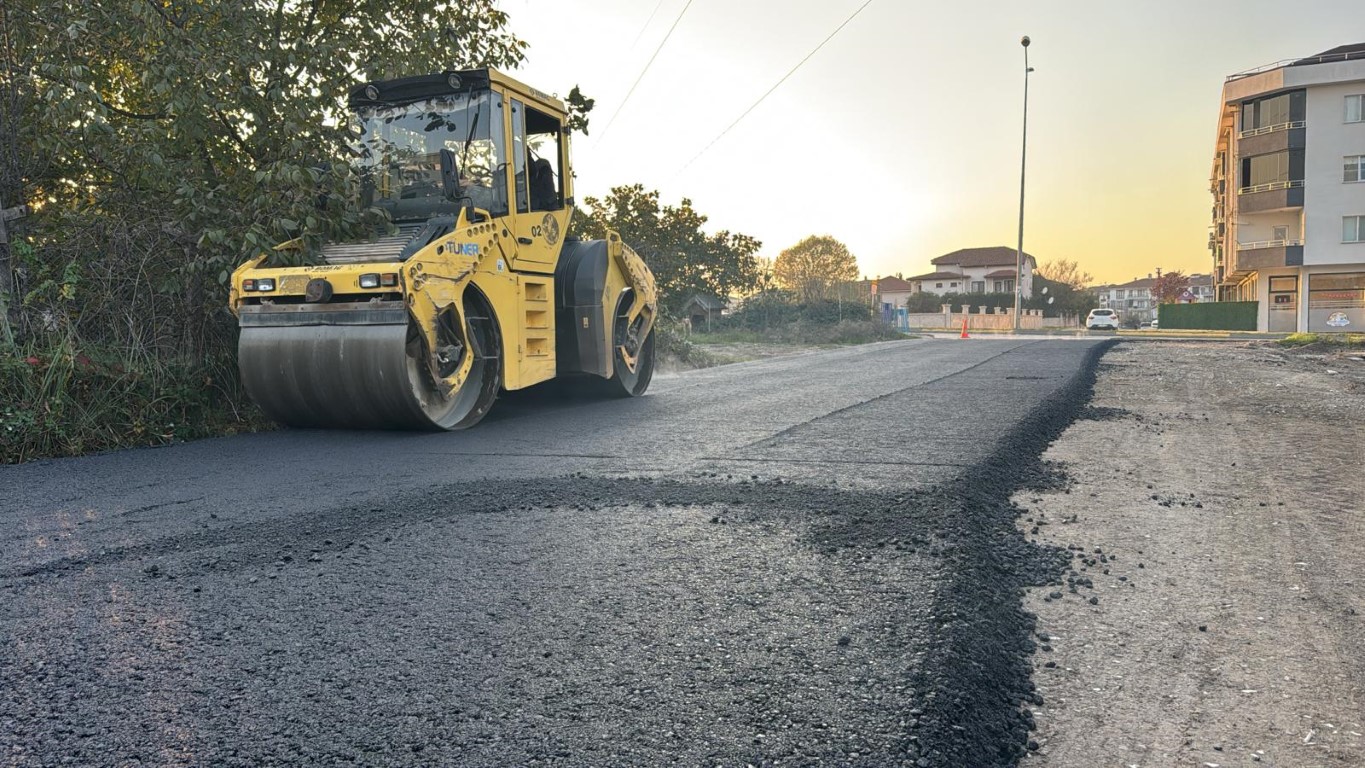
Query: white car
[1102, 318]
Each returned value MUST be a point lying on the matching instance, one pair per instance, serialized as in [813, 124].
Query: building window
[1355, 108]
[1355, 168]
[1004, 286]
[1273, 111]
[952, 285]
[1276, 168]
[938, 285]
[1353, 229]
[978, 286]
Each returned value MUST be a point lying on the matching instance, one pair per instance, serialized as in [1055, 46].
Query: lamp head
[1024, 42]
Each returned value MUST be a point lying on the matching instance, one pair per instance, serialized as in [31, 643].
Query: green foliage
[813, 267]
[163, 143]
[1066, 298]
[58, 401]
[1341, 340]
[775, 309]
[672, 345]
[579, 107]
[685, 260]
[840, 333]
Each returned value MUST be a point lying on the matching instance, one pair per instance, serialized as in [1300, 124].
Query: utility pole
[1023, 166]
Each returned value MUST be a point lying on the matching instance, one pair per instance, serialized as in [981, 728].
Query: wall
[976, 321]
[1221, 316]
[1326, 198]
[1261, 227]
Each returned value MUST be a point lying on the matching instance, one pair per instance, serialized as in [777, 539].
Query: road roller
[470, 289]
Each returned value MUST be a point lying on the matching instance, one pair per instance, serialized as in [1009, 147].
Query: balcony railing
[1268, 244]
[1291, 62]
[1263, 130]
[1271, 186]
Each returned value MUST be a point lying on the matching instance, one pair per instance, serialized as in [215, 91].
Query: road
[796, 561]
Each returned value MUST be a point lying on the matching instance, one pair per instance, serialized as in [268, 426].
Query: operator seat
[544, 194]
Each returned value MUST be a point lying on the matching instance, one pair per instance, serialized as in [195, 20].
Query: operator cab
[507, 150]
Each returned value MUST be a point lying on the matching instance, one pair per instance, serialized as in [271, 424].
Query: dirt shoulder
[1214, 612]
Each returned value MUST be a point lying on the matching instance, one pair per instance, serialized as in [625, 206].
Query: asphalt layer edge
[976, 689]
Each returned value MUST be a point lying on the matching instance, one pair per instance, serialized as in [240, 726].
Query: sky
[902, 136]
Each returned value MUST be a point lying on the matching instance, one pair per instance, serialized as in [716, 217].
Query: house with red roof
[892, 290]
[976, 270]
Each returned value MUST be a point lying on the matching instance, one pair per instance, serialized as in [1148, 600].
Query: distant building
[976, 270]
[1136, 300]
[1288, 183]
[893, 291]
[1199, 290]
[1132, 300]
[703, 308]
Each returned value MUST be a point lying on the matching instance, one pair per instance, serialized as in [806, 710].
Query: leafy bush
[671, 345]
[775, 310]
[1345, 340]
[62, 401]
[802, 332]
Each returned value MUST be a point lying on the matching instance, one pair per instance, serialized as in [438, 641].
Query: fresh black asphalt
[809, 560]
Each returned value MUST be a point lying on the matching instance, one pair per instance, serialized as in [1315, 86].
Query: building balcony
[1267, 254]
[1272, 138]
[1275, 196]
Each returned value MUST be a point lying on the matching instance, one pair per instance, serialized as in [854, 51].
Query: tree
[1067, 272]
[1057, 298]
[811, 268]
[685, 260]
[164, 142]
[1170, 286]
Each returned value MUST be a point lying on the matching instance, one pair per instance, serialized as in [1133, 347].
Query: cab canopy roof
[406, 90]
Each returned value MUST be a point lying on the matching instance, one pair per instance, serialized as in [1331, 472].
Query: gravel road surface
[809, 560]
[1214, 613]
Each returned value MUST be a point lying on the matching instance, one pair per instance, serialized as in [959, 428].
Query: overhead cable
[776, 85]
[648, 64]
[648, 21]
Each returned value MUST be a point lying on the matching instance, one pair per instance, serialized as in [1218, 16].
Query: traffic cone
[964, 328]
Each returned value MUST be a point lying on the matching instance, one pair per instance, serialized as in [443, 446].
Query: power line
[648, 64]
[776, 85]
[648, 21]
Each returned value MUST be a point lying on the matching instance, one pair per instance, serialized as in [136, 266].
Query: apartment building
[1136, 300]
[1133, 300]
[1288, 183]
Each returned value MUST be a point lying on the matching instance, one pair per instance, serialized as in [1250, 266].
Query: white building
[1289, 198]
[976, 270]
[1136, 300]
[1132, 300]
[1199, 290]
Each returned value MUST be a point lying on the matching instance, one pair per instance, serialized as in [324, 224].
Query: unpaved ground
[737, 352]
[1217, 505]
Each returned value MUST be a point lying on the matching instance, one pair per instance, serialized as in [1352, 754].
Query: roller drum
[337, 376]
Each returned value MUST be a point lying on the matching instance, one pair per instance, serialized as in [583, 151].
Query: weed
[1343, 340]
[64, 400]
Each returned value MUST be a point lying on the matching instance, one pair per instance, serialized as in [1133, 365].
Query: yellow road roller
[471, 289]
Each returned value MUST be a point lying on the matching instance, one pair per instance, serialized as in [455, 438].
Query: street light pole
[1023, 166]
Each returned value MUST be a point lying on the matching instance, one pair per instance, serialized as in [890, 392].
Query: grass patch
[1339, 340]
[670, 345]
[847, 332]
[60, 400]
